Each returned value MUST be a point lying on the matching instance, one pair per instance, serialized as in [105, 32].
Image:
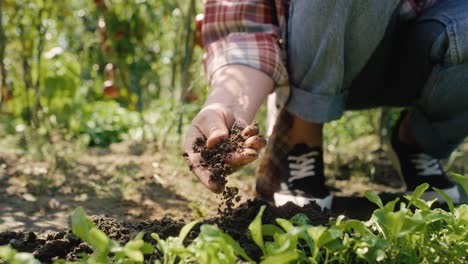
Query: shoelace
[426, 164]
[302, 166]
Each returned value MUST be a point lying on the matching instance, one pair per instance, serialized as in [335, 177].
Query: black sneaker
[417, 167]
[305, 181]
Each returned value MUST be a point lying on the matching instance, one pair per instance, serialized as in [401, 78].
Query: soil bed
[50, 246]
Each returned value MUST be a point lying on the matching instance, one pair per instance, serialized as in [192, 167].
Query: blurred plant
[62, 56]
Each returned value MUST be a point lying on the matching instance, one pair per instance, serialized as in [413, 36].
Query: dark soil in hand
[50, 246]
[216, 160]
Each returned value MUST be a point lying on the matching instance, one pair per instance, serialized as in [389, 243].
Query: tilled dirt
[48, 247]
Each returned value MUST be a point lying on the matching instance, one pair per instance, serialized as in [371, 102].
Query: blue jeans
[355, 60]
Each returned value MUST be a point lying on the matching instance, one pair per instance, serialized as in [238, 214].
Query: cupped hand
[213, 123]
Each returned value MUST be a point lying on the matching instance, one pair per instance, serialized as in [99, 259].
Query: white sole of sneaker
[281, 199]
[452, 192]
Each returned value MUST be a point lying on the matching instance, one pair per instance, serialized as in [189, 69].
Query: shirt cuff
[257, 50]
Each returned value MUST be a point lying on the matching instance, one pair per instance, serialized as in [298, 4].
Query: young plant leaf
[11, 256]
[390, 206]
[315, 233]
[186, 230]
[255, 229]
[81, 225]
[98, 240]
[446, 198]
[416, 195]
[373, 197]
[285, 224]
[212, 233]
[284, 258]
[300, 219]
[460, 179]
[271, 230]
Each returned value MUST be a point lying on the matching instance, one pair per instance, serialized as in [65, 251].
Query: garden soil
[50, 246]
[131, 187]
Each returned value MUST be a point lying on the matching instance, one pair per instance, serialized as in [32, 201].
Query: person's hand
[213, 123]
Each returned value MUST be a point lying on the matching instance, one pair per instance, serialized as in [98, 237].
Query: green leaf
[390, 206]
[6, 252]
[147, 248]
[285, 224]
[282, 243]
[186, 230]
[236, 246]
[373, 197]
[300, 219]
[419, 203]
[10, 255]
[81, 225]
[419, 191]
[358, 226]
[98, 240]
[134, 254]
[284, 258]
[155, 237]
[460, 179]
[271, 230]
[390, 223]
[329, 236]
[315, 233]
[255, 229]
[446, 198]
[136, 248]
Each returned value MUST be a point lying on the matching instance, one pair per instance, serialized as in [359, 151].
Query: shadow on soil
[39, 195]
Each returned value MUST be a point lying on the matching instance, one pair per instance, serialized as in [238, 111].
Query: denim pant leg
[329, 42]
[439, 120]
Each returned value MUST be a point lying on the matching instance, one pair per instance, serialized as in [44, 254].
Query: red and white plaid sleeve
[243, 32]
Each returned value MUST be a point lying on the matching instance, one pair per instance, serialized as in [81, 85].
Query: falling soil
[50, 246]
[216, 160]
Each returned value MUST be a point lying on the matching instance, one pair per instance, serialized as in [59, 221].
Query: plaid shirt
[251, 32]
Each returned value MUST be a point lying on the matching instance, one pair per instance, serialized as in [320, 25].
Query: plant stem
[188, 50]
[3, 75]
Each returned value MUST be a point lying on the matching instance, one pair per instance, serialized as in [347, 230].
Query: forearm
[242, 89]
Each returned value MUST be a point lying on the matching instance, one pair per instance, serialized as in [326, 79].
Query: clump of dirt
[216, 160]
[64, 245]
[230, 196]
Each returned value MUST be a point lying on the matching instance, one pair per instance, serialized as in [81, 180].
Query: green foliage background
[55, 59]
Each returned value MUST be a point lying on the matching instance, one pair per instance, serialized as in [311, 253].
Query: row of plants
[412, 233]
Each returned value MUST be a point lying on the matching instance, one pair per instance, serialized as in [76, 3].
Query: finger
[203, 174]
[212, 122]
[250, 131]
[190, 137]
[216, 136]
[240, 159]
[239, 123]
[255, 142]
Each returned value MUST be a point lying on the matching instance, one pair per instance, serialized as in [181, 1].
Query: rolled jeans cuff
[315, 108]
[428, 137]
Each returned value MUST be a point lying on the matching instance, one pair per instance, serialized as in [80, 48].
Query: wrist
[241, 89]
